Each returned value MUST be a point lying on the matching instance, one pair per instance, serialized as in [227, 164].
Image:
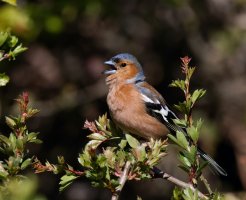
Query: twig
[205, 182]
[122, 181]
[5, 56]
[160, 174]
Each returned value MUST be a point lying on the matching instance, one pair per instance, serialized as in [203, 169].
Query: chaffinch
[136, 107]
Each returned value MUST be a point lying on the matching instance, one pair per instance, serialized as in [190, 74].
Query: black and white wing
[157, 108]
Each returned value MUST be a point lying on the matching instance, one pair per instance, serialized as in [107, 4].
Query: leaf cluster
[104, 165]
[14, 147]
[9, 49]
[187, 137]
[188, 155]
[104, 157]
[189, 194]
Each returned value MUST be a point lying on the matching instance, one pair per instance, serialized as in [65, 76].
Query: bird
[138, 108]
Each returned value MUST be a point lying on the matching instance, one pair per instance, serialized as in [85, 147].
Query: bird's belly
[132, 119]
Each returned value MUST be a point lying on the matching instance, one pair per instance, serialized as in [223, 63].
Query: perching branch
[122, 181]
[160, 174]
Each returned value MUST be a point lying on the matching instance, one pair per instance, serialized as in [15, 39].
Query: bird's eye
[123, 64]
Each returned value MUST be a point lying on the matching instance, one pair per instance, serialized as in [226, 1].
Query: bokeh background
[68, 41]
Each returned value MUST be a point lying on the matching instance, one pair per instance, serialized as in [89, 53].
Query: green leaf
[36, 141]
[26, 163]
[10, 122]
[182, 107]
[177, 194]
[184, 160]
[190, 72]
[19, 49]
[96, 136]
[182, 140]
[197, 94]
[12, 2]
[192, 153]
[12, 41]
[32, 112]
[12, 139]
[110, 156]
[93, 144]
[4, 79]
[180, 122]
[178, 83]
[171, 137]
[19, 144]
[32, 136]
[199, 124]
[193, 133]
[123, 144]
[5, 139]
[133, 142]
[188, 194]
[66, 180]
[140, 153]
[3, 37]
[202, 166]
[85, 159]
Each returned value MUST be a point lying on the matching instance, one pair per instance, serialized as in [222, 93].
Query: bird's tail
[218, 169]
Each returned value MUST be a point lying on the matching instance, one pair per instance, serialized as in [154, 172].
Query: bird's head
[124, 67]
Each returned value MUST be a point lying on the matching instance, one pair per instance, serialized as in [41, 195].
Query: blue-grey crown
[129, 57]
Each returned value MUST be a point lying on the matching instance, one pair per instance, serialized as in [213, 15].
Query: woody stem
[122, 181]
[160, 174]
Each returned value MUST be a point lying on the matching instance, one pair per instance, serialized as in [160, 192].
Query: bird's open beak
[109, 71]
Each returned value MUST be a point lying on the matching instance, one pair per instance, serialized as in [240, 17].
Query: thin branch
[204, 180]
[5, 56]
[160, 174]
[122, 181]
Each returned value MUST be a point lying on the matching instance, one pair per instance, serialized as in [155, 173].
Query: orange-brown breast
[128, 111]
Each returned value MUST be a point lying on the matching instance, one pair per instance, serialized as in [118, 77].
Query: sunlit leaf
[180, 122]
[19, 144]
[171, 137]
[66, 180]
[133, 142]
[17, 50]
[4, 79]
[3, 37]
[26, 163]
[182, 139]
[12, 139]
[93, 144]
[32, 136]
[96, 136]
[178, 83]
[123, 144]
[190, 71]
[4, 139]
[197, 94]
[193, 133]
[140, 153]
[12, 41]
[184, 160]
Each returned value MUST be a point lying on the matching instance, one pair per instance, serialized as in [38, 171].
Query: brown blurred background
[68, 42]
